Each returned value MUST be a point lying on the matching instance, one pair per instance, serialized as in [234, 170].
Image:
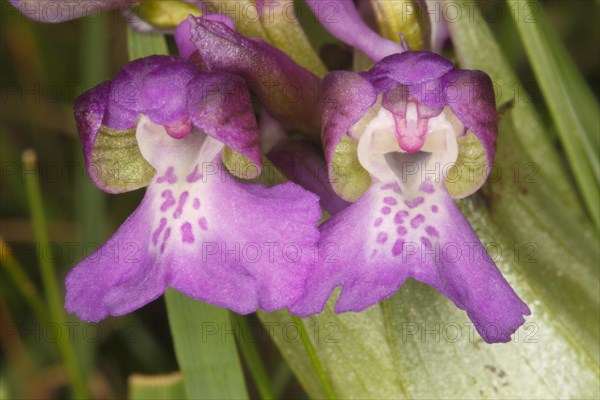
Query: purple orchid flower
[404, 121]
[198, 230]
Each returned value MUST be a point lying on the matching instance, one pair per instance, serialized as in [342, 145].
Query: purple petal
[409, 68]
[63, 10]
[248, 257]
[183, 33]
[154, 86]
[121, 276]
[89, 113]
[342, 20]
[183, 40]
[371, 248]
[219, 104]
[288, 91]
[226, 243]
[346, 98]
[470, 95]
[430, 93]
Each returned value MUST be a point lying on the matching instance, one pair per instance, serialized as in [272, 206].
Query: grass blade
[572, 105]
[48, 273]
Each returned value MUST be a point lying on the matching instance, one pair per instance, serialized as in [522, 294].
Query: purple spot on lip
[373, 253]
[401, 230]
[196, 203]
[431, 231]
[195, 176]
[398, 247]
[418, 220]
[426, 242]
[165, 238]
[393, 186]
[399, 217]
[382, 237]
[427, 187]
[182, 199]
[434, 208]
[390, 201]
[168, 177]
[203, 224]
[378, 221]
[161, 226]
[169, 200]
[417, 201]
[386, 210]
[186, 233]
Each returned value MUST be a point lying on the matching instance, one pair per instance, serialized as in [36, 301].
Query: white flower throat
[407, 149]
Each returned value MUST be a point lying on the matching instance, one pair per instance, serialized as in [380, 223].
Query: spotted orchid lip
[384, 238]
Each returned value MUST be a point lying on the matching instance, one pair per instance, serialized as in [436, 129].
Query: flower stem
[48, 273]
[312, 355]
[17, 274]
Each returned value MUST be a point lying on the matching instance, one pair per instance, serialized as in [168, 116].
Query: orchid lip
[192, 211]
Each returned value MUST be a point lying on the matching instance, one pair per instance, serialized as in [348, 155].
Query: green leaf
[202, 334]
[572, 105]
[156, 387]
[205, 348]
[252, 357]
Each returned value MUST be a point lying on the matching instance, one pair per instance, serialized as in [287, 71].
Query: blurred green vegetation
[42, 68]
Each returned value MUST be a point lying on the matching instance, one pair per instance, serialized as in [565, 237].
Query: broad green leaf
[252, 357]
[572, 105]
[210, 364]
[156, 387]
[205, 347]
[417, 344]
[476, 49]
